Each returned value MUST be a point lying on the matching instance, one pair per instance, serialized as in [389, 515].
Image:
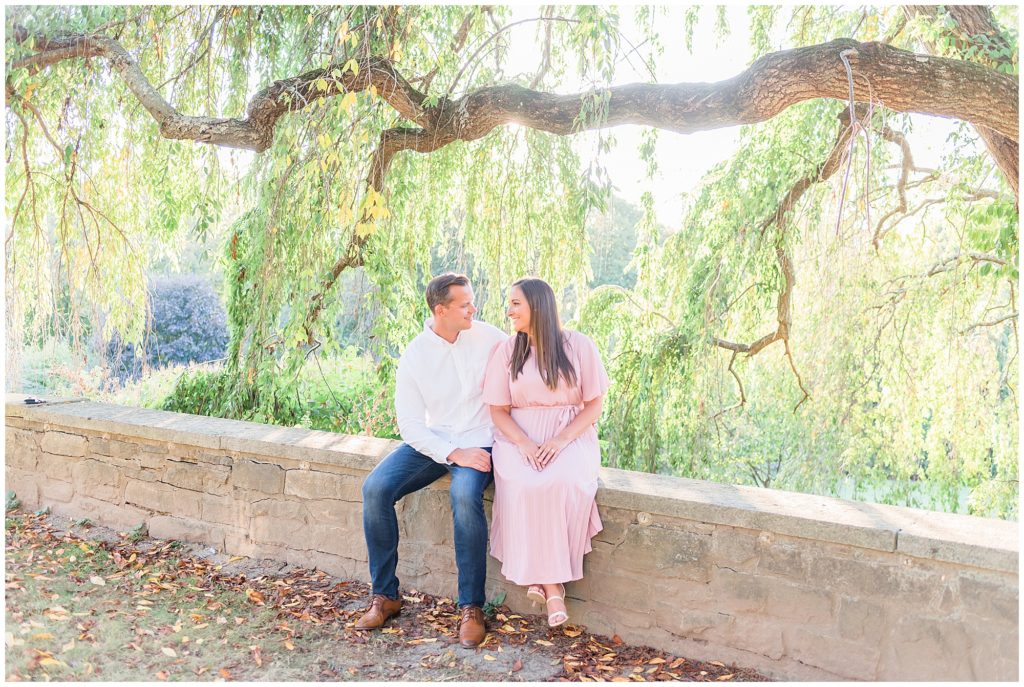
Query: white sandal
[535, 593]
[558, 617]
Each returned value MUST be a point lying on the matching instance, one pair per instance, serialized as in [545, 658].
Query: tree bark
[899, 79]
[971, 21]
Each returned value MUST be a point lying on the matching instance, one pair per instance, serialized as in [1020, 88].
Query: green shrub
[340, 394]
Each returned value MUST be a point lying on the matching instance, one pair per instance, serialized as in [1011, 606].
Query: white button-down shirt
[439, 389]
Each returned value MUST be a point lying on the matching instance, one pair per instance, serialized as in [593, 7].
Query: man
[447, 430]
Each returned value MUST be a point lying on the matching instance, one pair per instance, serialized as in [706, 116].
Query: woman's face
[518, 310]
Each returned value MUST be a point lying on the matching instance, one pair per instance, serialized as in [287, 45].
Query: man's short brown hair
[437, 289]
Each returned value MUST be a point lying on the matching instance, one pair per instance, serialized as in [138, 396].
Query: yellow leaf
[348, 101]
[488, 657]
[51, 662]
[373, 90]
[351, 66]
[288, 645]
[543, 642]
[364, 229]
[572, 633]
[42, 635]
[168, 651]
[721, 678]
[321, 84]
[150, 25]
[655, 661]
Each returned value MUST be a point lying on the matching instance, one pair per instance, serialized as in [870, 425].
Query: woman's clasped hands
[539, 457]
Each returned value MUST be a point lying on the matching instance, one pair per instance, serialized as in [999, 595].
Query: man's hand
[475, 458]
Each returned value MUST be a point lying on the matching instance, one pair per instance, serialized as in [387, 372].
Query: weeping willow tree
[321, 140]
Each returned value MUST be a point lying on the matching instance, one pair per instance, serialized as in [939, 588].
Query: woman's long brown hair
[552, 359]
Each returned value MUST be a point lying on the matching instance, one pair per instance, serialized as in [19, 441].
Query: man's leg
[470, 524]
[402, 472]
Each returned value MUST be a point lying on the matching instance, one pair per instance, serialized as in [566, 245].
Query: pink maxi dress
[542, 522]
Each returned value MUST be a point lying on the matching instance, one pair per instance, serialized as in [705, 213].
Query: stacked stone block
[794, 585]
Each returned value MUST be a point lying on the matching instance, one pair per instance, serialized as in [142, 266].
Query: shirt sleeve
[593, 378]
[411, 411]
[496, 380]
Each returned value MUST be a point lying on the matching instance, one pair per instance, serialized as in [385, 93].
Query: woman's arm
[581, 423]
[502, 419]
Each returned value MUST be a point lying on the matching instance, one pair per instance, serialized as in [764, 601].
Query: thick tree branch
[901, 80]
[971, 22]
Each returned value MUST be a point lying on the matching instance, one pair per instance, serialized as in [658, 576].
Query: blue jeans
[407, 470]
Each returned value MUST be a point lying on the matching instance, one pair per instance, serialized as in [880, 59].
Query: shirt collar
[434, 336]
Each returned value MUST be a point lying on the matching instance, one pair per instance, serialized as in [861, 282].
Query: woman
[544, 386]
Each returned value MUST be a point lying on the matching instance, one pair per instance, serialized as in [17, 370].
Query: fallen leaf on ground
[725, 677]
[517, 665]
[168, 651]
[162, 675]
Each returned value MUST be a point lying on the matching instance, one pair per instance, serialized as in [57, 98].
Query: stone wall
[794, 585]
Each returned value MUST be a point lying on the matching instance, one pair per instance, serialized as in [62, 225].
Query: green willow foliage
[911, 387]
[911, 403]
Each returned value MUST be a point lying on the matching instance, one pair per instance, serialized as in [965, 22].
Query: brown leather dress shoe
[381, 608]
[473, 627]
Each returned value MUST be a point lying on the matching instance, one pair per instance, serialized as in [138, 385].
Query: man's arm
[412, 415]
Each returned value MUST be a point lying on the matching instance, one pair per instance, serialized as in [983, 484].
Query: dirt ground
[84, 602]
